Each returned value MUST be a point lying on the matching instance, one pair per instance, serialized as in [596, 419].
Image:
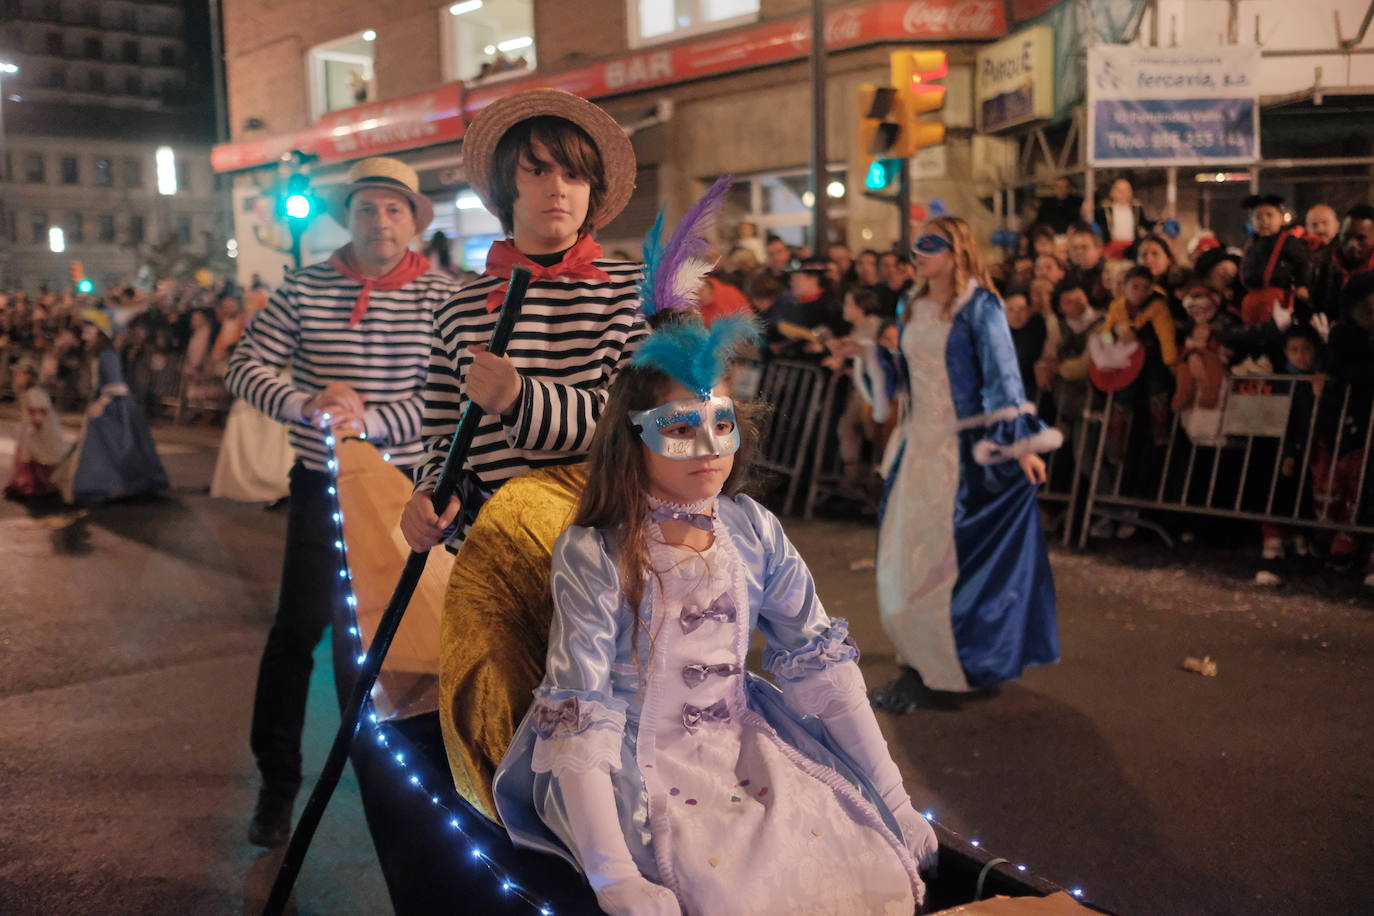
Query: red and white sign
[423, 119]
[432, 117]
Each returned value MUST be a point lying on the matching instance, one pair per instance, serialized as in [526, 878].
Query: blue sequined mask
[690, 428]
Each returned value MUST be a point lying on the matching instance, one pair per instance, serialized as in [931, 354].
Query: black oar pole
[390, 622]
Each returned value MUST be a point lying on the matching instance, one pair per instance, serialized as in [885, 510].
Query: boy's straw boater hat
[609, 138]
[389, 175]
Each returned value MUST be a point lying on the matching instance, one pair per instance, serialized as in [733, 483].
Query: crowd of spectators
[173, 342]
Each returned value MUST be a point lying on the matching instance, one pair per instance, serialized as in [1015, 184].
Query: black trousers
[310, 590]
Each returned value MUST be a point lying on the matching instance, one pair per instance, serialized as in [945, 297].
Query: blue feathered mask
[682, 346]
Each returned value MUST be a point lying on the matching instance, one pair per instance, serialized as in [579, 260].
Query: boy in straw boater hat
[554, 168]
[355, 329]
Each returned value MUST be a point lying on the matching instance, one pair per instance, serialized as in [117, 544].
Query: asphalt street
[130, 636]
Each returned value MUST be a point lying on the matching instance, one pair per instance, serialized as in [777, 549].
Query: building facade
[703, 87]
[100, 87]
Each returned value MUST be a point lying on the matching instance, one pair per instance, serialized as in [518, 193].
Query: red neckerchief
[576, 265]
[808, 299]
[412, 267]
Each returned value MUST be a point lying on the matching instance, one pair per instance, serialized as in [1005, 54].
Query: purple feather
[688, 242]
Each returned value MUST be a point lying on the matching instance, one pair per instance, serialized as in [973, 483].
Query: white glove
[1322, 325]
[601, 850]
[1283, 316]
[842, 704]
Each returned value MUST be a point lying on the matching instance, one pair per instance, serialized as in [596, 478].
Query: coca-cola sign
[943, 18]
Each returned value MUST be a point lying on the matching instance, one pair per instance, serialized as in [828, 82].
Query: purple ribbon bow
[695, 519]
[723, 608]
[693, 675]
[565, 714]
[693, 716]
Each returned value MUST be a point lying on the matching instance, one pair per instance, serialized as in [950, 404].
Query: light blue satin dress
[725, 795]
[964, 581]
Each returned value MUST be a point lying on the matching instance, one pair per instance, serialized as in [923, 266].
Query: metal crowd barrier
[1229, 464]
[794, 391]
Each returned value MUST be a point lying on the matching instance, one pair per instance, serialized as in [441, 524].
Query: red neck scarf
[412, 267]
[576, 265]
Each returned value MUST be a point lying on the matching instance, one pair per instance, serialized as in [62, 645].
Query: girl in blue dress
[964, 583]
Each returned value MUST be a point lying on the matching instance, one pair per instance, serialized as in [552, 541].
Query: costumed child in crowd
[1302, 356]
[1200, 369]
[677, 781]
[38, 442]
[964, 581]
[115, 456]
[553, 168]
[1275, 272]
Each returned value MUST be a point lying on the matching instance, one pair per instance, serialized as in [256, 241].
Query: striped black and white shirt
[384, 358]
[573, 337]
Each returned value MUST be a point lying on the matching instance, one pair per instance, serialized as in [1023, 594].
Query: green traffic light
[85, 286]
[298, 206]
[881, 174]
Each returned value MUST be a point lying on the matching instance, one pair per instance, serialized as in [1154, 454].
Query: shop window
[664, 20]
[107, 227]
[104, 173]
[341, 73]
[34, 172]
[69, 170]
[779, 203]
[488, 39]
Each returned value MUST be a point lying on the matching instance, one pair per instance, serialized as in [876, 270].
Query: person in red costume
[554, 168]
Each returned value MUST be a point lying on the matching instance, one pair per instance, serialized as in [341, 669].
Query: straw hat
[385, 173]
[609, 138]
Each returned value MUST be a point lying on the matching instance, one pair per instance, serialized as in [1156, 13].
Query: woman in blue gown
[964, 583]
[115, 456]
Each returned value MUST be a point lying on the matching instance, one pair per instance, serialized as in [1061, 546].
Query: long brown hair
[615, 499]
[968, 260]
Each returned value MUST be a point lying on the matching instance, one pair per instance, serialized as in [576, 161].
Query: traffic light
[882, 173]
[298, 205]
[889, 116]
[914, 75]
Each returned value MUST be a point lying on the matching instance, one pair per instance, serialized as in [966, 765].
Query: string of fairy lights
[474, 851]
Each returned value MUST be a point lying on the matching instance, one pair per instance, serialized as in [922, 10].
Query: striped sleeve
[268, 343]
[442, 408]
[562, 418]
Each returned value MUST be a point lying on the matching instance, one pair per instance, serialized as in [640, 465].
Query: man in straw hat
[355, 329]
[554, 168]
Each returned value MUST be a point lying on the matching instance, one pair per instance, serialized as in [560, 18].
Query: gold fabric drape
[495, 630]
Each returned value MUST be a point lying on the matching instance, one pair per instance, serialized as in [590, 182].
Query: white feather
[690, 276]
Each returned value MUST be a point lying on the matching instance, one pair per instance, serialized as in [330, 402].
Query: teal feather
[653, 256]
[691, 354]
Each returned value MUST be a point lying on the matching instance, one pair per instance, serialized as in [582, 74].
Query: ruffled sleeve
[802, 643]
[578, 723]
[1008, 424]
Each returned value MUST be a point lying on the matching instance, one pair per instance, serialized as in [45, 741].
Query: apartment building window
[184, 229]
[107, 228]
[34, 173]
[653, 21]
[131, 52]
[70, 174]
[5, 166]
[104, 173]
[133, 173]
[38, 226]
[96, 81]
[133, 84]
[76, 228]
[57, 77]
[136, 230]
[169, 56]
[54, 43]
[94, 48]
[487, 39]
[341, 74]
